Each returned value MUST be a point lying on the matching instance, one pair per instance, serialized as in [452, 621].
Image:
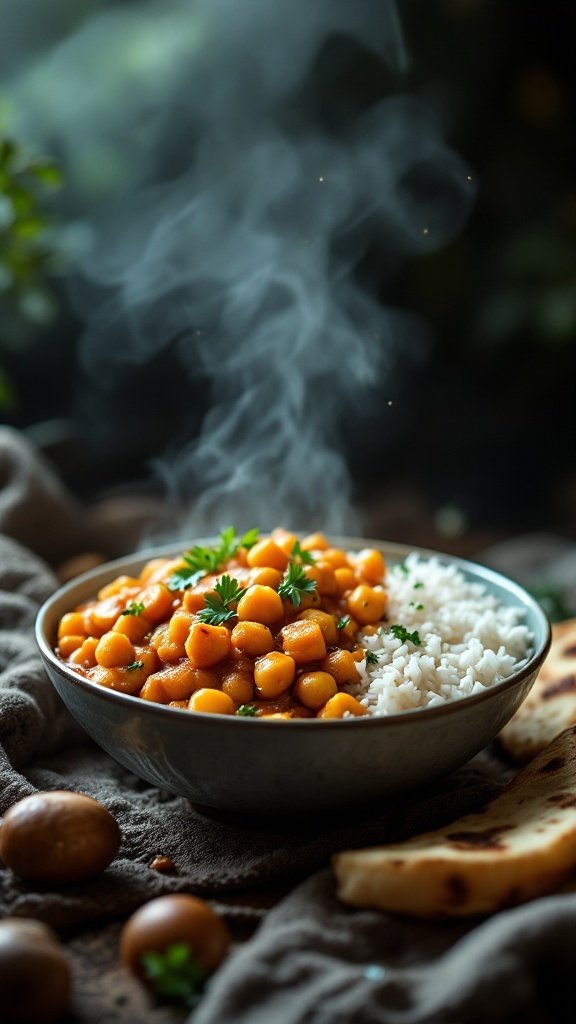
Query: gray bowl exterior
[276, 766]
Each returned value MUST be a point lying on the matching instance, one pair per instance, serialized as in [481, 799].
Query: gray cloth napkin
[309, 942]
[313, 961]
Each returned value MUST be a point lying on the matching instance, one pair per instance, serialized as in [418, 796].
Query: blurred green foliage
[27, 251]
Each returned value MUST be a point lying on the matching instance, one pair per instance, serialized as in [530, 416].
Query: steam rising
[218, 211]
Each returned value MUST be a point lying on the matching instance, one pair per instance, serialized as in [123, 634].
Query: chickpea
[314, 689]
[71, 624]
[260, 604]
[266, 577]
[253, 638]
[274, 674]
[267, 553]
[212, 702]
[341, 703]
[114, 649]
[367, 604]
[341, 665]
[207, 645]
[326, 622]
[239, 686]
[303, 641]
[370, 565]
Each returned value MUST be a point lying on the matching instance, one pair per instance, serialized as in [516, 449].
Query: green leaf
[184, 578]
[371, 658]
[247, 711]
[222, 606]
[402, 634]
[343, 622]
[401, 568]
[299, 553]
[8, 151]
[134, 608]
[202, 561]
[294, 583]
[250, 538]
[418, 586]
[133, 666]
[49, 174]
[176, 974]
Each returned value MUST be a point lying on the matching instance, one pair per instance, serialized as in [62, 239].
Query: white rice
[468, 641]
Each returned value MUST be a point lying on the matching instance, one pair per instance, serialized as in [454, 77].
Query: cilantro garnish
[400, 567]
[219, 605]
[133, 608]
[417, 607]
[294, 583]
[175, 974]
[249, 539]
[133, 666]
[418, 586]
[298, 552]
[371, 658]
[201, 561]
[247, 711]
[343, 622]
[401, 633]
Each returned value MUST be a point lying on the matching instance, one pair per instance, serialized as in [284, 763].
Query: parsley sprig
[299, 554]
[401, 568]
[343, 622]
[200, 561]
[175, 974]
[134, 608]
[133, 666]
[402, 634]
[371, 658]
[247, 711]
[221, 606]
[295, 583]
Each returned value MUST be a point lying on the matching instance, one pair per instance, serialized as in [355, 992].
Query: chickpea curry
[266, 627]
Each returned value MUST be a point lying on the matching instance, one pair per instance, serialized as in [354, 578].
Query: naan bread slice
[520, 845]
[550, 707]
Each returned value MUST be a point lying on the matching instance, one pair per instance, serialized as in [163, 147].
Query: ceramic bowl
[274, 766]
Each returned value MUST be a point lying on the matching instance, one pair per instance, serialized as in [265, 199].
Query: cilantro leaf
[247, 711]
[401, 568]
[250, 538]
[201, 561]
[175, 974]
[133, 666]
[294, 583]
[298, 552]
[418, 586]
[133, 608]
[401, 633]
[184, 578]
[371, 658]
[417, 607]
[219, 605]
[343, 622]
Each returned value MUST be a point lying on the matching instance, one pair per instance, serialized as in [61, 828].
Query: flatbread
[550, 707]
[520, 845]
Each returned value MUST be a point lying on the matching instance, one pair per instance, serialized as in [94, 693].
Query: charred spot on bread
[564, 685]
[563, 800]
[553, 766]
[457, 889]
[488, 839]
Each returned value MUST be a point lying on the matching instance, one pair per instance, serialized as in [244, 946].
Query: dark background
[480, 443]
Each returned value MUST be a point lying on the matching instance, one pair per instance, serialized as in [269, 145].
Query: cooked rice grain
[468, 641]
